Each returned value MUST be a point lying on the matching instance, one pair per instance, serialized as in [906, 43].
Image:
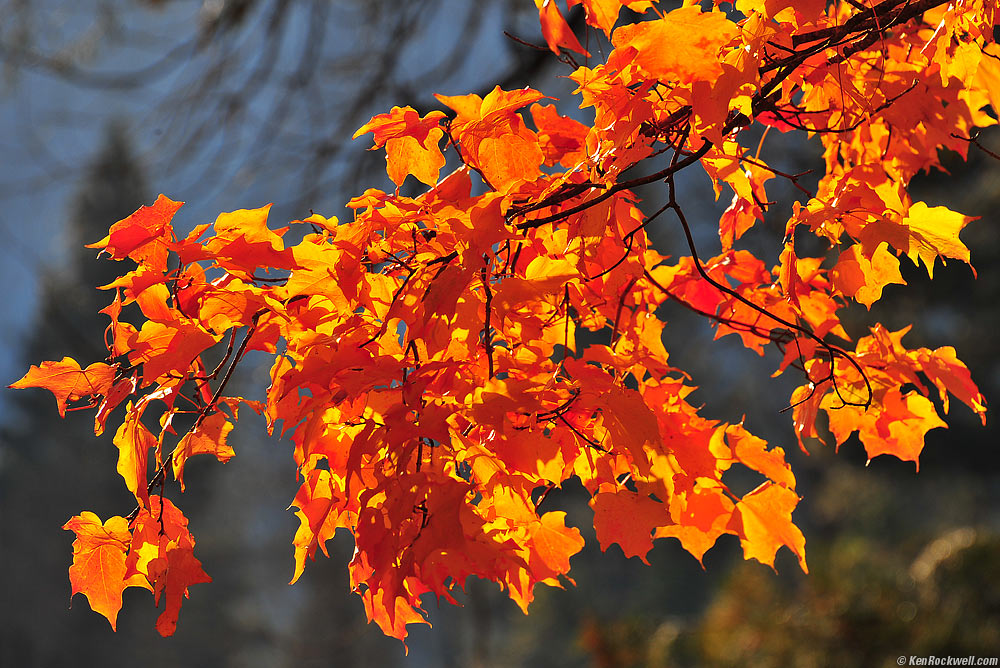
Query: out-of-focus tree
[41, 461]
[235, 93]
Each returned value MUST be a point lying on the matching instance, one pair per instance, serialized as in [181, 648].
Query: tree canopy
[443, 360]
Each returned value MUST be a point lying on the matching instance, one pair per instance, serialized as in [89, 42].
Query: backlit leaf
[67, 381]
[98, 570]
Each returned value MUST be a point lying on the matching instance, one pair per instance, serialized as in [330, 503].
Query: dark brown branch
[593, 444]
[792, 178]
[229, 372]
[487, 329]
[878, 18]
[618, 311]
[834, 351]
[624, 185]
[730, 322]
[628, 242]
[559, 410]
[975, 141]
[222, 362]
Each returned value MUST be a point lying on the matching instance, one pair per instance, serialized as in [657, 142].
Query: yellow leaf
[864, 278]
[934, 233]
[766, 513]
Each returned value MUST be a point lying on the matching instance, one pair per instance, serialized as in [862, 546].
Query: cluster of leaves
[425, 357]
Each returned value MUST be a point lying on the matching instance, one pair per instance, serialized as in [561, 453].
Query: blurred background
[232, 104]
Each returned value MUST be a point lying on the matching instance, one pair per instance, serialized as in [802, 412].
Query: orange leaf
[739, 217]
[806, 10]
[208, 438]
[683, 46]
[314, 500]
[98, 570]
[67, 381]
[949, 374]
[864, 278]
[555, 542]
[701, 515]
[603, 14]
[164, 348]
[144, 236]
[897, 428]
[406, 155]
[494, 139]
[766, 515]
[181, 571]
[133, 441]
[411, 143]
[162, 552]
[627, 518]
[121, 389]
[562, 139]
[392, 614]
[243, 242]
[400, 122]
[753, 453]
[555, 30]
[630, 424]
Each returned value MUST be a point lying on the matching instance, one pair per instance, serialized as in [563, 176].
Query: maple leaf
[144, 236]
[603, 14]
[206, 438]
[950, 375]
[753, 453]
[630, 423]
[242, 242]
[165, 347]
[411, 143]
[627, 518]
[120, 390]
[682, 46]
[161, 558]
[134, 441]
[555, 30]
[67, 381]
[494, 138]
[897, 428]
[765, 516]
[554, 542]
[562, 139]
[804, 10]
[438, 359]
[933, 233]
[98, 570]
[864, 278]
[700, 516]
[315, 501]
[177, 572]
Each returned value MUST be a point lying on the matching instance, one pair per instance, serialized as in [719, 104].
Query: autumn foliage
[425, 358]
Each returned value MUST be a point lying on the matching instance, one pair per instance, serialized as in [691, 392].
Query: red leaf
[144, 236]
[555, 30]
